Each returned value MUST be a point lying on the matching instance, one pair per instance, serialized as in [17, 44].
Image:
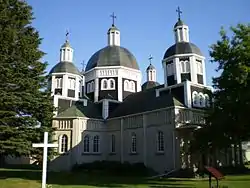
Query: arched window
[183, 66]
[133, 143]
[86, 144]
[104, 84]
[64, 144]
[112, 143]
[58, 82]
[195, 98]
[207, 100]
[160, 141]
[111, 83]
[187, 63]
[88, 88]
[96, 142]
[202, 100]
[169, 70]
[126, 85]
[92, 86]
[132, 86]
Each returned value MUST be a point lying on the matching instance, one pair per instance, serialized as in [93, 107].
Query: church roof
[182, 48]
[145, 101]
[149, 84]
[79, 110]
[150, 67]
[65, 67]
[179, 23]
[66, 44]
[112, 56]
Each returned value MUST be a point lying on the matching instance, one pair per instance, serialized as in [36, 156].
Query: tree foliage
[25, 104]
[228, 122]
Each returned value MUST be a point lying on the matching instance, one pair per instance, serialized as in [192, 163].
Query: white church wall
[160, 121]
[133, 132]
[113, 132]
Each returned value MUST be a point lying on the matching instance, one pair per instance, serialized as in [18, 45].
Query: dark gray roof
[113, 28]
[149, 84]
[182, 48]
[179, 23]
[78, 109]
[150, 67]
[66, 44]
[65, 67]
[112, 56]
[145, 101]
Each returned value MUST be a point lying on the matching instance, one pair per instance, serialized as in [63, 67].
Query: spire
[181, 30]
[113, 33]
[151, 71]
[66, 52]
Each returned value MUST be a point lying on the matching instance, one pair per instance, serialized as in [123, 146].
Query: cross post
[45, 145]
[67, 34]
[113, 16]
[150, 58]
[83, 65]
[179, 12]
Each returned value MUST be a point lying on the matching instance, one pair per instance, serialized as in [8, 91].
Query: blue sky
[146, 26]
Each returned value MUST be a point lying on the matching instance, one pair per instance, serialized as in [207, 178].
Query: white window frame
[160, 142]
[110, 82]
[133, 143]
[126, 85]
[86, 144]
[88, 87]
[63, 143]
[199, 67]
[96, 144]
[132, 86]
[185, 66]
[202, 102]
[92, 86]
[72, 83]
[58, 83]
[195, 98]
[104, 82]
[207, 100]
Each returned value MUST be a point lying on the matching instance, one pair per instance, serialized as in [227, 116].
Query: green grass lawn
[32, 179]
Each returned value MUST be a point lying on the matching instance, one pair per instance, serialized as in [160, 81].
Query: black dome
[112, 56]
[182, 48]
[65, 67]
[149, 84]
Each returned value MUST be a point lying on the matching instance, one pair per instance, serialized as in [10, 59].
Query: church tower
[151, 76]
[112, 73]
[66, 80]
[183, 60]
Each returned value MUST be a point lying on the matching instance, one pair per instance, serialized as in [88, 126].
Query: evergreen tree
[25, 103]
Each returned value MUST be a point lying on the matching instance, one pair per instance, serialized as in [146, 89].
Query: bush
[113, 168]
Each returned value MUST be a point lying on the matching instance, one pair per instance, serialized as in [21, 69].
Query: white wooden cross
[45, 145]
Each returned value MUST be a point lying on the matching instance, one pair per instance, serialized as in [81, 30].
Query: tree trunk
[241, 155]
[235, 155]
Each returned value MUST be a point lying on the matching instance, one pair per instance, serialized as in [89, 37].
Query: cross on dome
[67, 35]
[150, 59]
[113, 16]
[178, 10]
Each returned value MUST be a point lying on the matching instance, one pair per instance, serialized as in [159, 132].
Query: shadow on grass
[90, 179]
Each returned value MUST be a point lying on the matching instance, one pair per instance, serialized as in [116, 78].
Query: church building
[105, 113]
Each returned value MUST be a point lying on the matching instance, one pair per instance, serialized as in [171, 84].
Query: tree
[229, 120]
[25, 103]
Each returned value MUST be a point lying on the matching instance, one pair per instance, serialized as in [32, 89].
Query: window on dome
[111, 83]
[104, 84]
[58, 83]
[72, 83]
[132, 86]
[86, 144]
[96, 144]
